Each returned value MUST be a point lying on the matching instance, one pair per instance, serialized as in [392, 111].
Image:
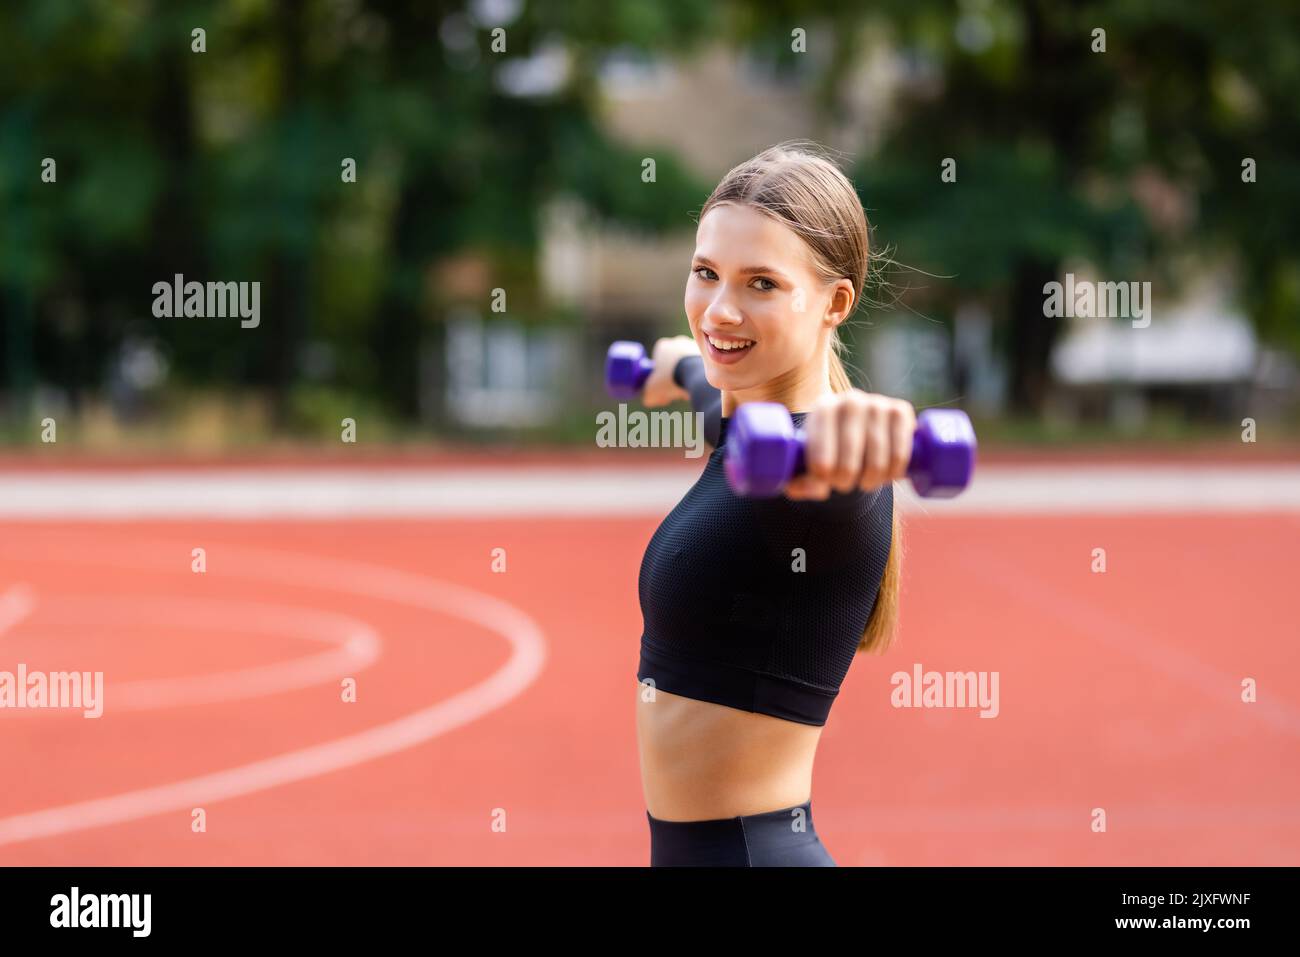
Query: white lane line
[354, 646]
[1082, 489]
[245, 493]
[528, 654]
[251, 494]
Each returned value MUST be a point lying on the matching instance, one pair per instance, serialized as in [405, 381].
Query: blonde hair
[797, 184]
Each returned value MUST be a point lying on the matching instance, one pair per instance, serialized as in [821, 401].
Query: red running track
[1119, 691]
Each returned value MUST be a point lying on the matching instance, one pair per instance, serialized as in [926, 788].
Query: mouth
[728, 350]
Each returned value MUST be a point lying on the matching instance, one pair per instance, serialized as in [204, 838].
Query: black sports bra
[758, 604]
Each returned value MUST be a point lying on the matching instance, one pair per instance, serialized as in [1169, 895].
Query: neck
[797, 389]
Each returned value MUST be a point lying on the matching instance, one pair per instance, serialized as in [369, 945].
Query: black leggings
[783, 838]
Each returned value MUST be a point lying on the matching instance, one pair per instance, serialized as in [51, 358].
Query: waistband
[731, 841]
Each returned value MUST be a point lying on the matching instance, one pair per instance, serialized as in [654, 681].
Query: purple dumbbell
[626, 369]
[765, 450]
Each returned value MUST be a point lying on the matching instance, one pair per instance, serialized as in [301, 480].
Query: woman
[755, 608]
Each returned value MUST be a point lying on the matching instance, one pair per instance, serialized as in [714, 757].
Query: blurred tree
[1063, 151]
[226, 165]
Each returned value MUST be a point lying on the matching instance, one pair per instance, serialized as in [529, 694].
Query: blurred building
[716, 109]
[1199, 356]
[711, 111]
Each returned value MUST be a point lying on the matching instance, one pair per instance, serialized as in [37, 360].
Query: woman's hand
[856, 440]
[660, 389]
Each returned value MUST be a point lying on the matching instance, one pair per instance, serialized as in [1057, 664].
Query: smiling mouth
[729, 347]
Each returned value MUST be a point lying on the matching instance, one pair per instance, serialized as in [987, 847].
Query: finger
[805, 487]
[876, 464]
[851, 423]
[902, 429]
[820, 449]
[656, 391]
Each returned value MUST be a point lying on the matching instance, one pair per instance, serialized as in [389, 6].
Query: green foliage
[226, 165]
[1049, 137]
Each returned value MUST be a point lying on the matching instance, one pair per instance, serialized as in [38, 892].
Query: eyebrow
[747, 271]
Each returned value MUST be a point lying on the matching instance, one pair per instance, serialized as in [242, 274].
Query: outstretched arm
[705, 399]
[679, 375]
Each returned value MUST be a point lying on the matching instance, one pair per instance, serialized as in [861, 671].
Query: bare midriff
[701, 761]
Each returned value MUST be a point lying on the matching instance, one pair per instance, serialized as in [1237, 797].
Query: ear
[842, 298]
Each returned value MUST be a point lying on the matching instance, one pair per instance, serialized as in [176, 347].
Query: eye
[700, 270]
[770, 284]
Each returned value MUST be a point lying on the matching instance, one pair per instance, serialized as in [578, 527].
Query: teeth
[727, 344]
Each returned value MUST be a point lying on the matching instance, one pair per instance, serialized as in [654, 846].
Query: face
[760, 313]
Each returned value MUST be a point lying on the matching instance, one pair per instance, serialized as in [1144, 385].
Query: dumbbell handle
[765, 450]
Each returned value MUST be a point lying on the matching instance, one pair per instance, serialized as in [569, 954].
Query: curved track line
[373, 581]
[15, 605]
[356, 647]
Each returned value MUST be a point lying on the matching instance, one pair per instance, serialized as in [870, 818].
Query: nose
[722, 311]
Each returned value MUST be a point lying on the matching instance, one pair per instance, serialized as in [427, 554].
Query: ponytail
[882, 626]
[840, 381]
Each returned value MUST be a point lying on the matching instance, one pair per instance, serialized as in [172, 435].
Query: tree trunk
[1032, 337]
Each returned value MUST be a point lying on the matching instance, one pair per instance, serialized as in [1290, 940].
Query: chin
[728, 379]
